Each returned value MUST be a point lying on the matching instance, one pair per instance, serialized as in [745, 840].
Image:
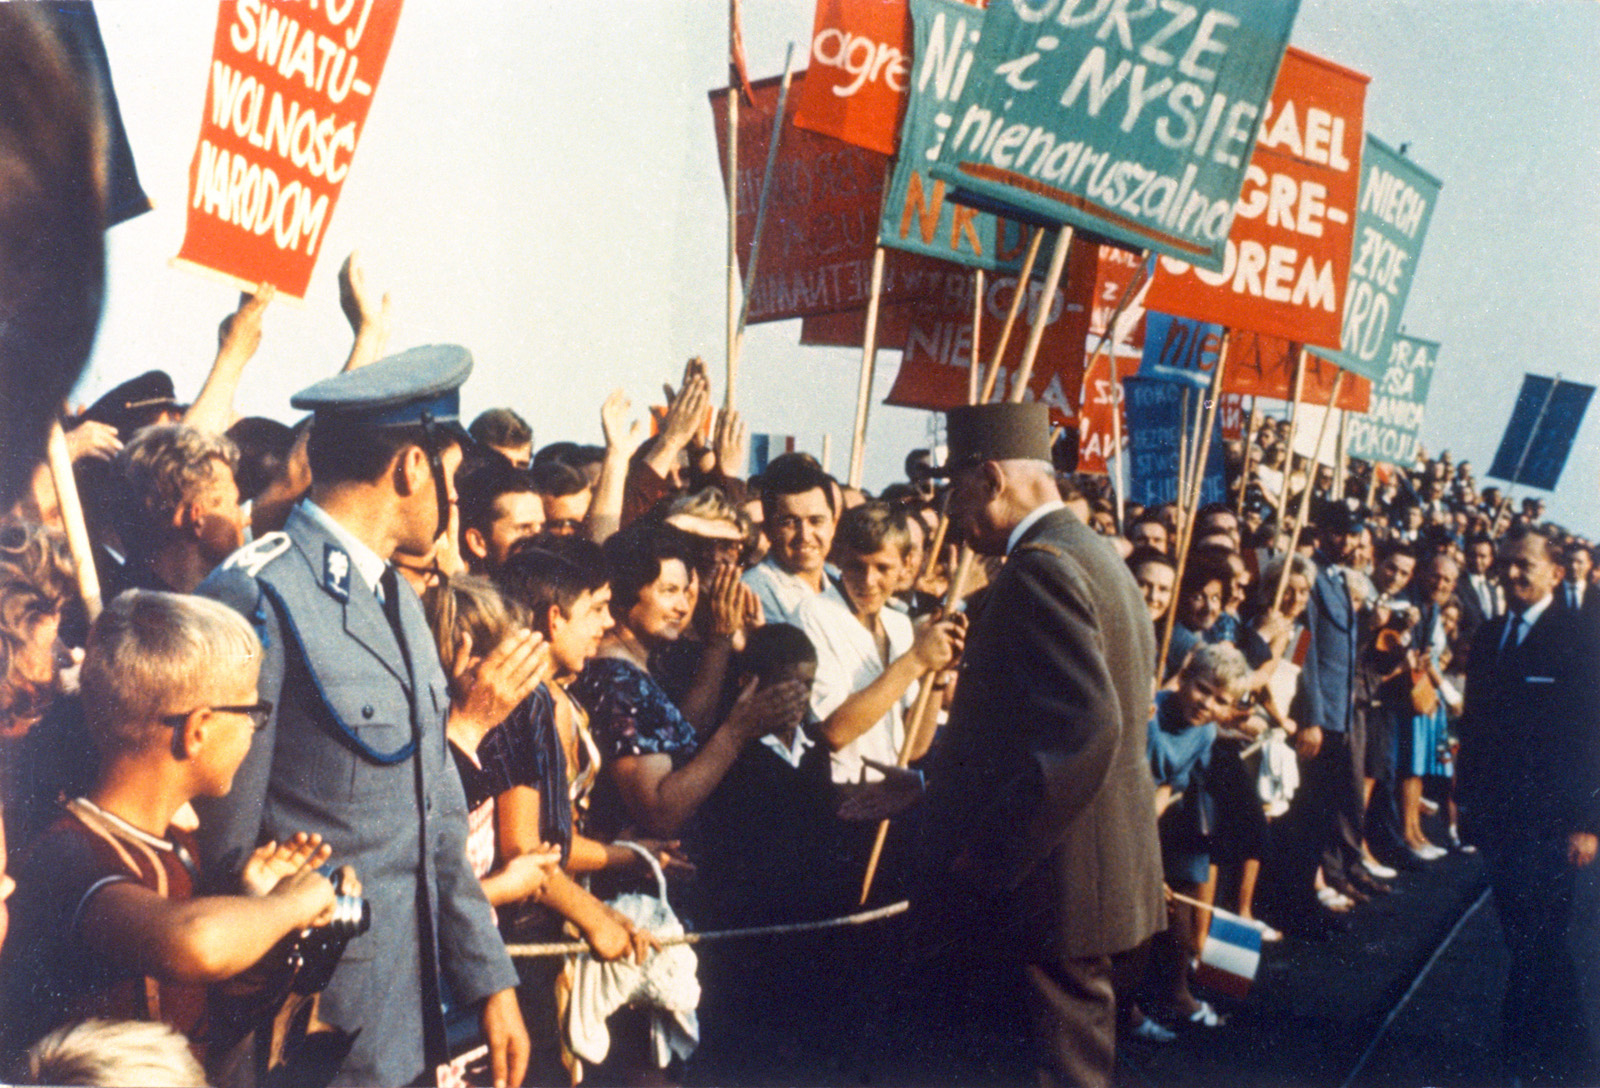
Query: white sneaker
[1152, 1032]
[1379, 870]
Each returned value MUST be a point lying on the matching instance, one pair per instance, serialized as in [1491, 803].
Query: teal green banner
[1133, 120]
[918, 214]
[1387, 431]
[1392, 213]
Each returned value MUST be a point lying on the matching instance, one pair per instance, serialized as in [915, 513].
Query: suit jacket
[1529, 765]
[1330, 668]
[356, 752]
[1472, 615]
[1040, 792]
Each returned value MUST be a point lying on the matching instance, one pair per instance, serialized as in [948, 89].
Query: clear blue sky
[538, 181]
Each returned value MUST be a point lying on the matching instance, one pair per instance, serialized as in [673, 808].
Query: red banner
[1114, 273]
[934, 369]
[1231, 416]
[860, 69]
[848, 328]
[1263, 366]
[1288, 254]
[822, 215]
[287, 94]
[1096, 436]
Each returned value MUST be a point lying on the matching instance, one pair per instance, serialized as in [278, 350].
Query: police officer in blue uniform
[356, 747]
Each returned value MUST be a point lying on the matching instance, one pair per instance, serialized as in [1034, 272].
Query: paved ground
[1309, 1021]
[1317, 1005]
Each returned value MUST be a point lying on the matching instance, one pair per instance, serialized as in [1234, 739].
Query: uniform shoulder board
[1042, 546]
[258, 553]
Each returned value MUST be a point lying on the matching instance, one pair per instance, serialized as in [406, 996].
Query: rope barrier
[564, 948]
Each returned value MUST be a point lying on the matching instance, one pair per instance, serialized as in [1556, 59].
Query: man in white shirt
[799, 516]
[870, 659]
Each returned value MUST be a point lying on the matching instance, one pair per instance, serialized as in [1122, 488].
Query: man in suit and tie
[1573, 593]
[1330, 741]
[1478, 592]
[1529, 794]
[1039, 861]
[355, 749]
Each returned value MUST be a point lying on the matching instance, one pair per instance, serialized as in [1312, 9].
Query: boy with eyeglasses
[106, 920]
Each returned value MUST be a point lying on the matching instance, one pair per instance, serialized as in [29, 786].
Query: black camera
[314, 953]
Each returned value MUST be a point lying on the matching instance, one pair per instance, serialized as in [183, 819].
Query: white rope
[564, 948]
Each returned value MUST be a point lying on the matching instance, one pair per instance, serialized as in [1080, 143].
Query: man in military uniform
[1039, 861]
[356, 747]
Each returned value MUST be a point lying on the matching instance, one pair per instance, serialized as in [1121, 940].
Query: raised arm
[623, 437]
[660, 799]
[936, 644]
[238, 337]
[368, 316]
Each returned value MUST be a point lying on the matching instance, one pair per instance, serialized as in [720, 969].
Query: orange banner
[287, 94]
[859, 72]
[1263, 366]
[822, 215]
[1288, 253]
[934, 369]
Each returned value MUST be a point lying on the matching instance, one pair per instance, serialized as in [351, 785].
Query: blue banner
[1155, 429]
[1177, 349]
[1543, 426]
[1133, 121]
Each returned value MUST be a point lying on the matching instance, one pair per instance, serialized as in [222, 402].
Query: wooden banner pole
[71, 506]
[975, 364]
[1249, 440]
[1118, 487]
[734, 90]
[1189, 504]
[1041, 317]
[1183, 454]
[1294, 428]
[869, 359]
[1341, 478]
[1305, 492]
[919, 711]
[761, 222]
[1024, 277]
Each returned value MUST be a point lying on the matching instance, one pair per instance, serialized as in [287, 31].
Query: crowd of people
[327, 715]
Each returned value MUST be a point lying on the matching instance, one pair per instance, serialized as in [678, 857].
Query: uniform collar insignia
[336, 571]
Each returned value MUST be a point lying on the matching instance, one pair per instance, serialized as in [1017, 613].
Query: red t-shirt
[52, 976]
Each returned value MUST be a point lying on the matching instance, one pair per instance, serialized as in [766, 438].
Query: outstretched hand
[271, 862]
[623, 436]
[356, 299]
[730, 437]
[494, 687]
[938, 642]
[239, 334]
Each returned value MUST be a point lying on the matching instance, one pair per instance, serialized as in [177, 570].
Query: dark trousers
[1543, 1023]
[1328, 816]
[1382, 819]
[1073, 1009]
[971, 1015]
